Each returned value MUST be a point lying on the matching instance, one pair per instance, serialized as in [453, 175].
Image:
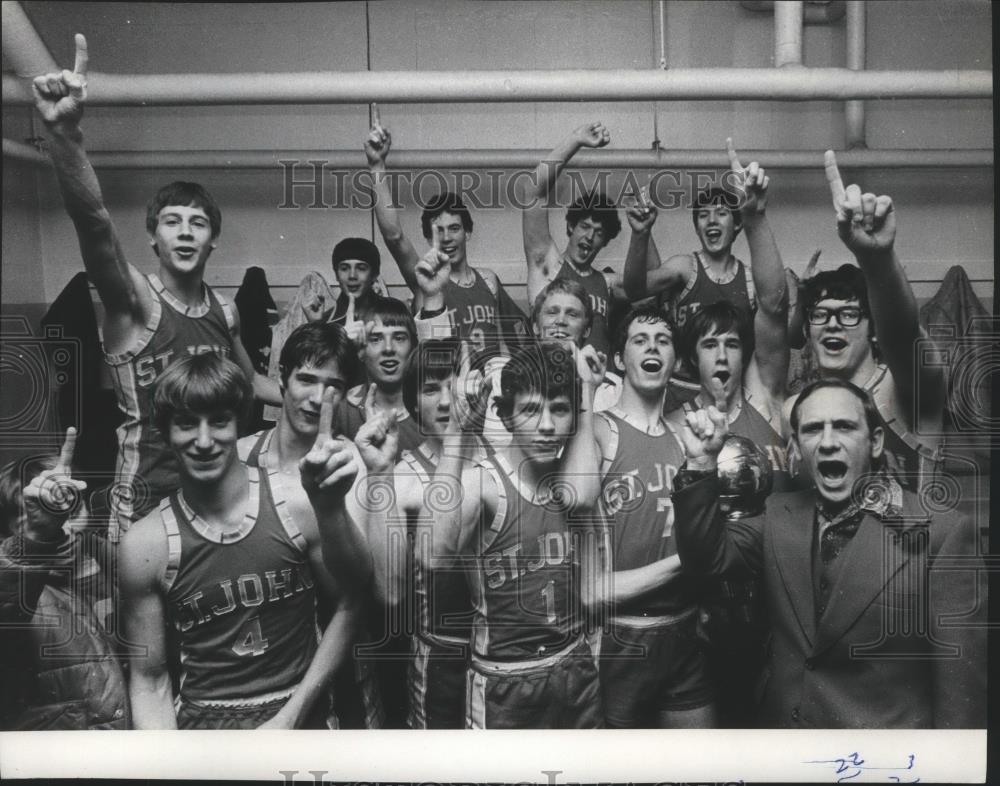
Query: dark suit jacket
[902, 641]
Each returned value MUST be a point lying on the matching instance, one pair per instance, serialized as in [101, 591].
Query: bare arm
[393, 497]
[540, 250]
[334, 647]
[387, 215]
[142, 562]
[771, 320]
[867, 225]
[60, 99]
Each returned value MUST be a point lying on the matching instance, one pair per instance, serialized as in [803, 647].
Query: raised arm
[540, 250]
[387, 215]
[142, 560]
[769, 365]
[328, 473]
[60, 99]
[378, 441]
[867, 225]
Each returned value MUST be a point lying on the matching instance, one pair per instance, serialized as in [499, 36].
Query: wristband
[425, 314]
[686, 476]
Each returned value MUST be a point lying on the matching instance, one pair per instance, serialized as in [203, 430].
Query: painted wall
[946, 216]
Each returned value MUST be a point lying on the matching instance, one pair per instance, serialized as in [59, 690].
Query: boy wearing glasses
[861, 324]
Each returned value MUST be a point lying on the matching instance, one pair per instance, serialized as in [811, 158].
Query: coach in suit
[877, 609]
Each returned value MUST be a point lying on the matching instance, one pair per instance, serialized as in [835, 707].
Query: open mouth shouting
[713, 234]
[651, 365]
[389, 365]
[722, 375]
[186, 253]
[832, 471]
[834, 344]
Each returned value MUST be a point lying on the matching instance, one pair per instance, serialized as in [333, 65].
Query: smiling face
[839, 351]
[183, 239]
[562, 317]
[716, 228]
[834, 443]
[385, 353]
[204, 443]
[720, 356]
[586, 238]
[648, 355]
[354, 276]
[453, 237]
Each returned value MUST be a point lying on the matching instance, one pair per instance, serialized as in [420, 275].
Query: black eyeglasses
[847, 316]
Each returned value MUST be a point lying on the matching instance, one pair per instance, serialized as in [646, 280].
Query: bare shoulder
[142, 554]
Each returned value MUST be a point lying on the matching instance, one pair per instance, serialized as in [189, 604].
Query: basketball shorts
[557, 692]
[652, 664]
[436, 683]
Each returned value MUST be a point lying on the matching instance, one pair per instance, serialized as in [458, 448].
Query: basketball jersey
[475, 312]
[350, 415]
[913, 460]
[524, 579]
[242, 602]
[637, 481]
[600, 299]
[702, 291]
[443, 606]
[146, 469]
[751, 424]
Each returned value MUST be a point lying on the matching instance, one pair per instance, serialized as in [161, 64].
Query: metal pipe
[511, 159]
[787, 33]
[22, 46]
[854, 111]
[662, 20]
[361, 87]
[813, 13]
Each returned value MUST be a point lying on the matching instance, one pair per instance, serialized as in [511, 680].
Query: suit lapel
[792, 543]
[864, 568]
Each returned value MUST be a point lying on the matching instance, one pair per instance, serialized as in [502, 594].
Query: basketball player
[230, 565]
[591, 223]
[390, 338]
[749, 357]
[530, 566]
[653, 667]
[689, 281]
[850, 312]
[150, 321]
[439, 647]
[474, 297]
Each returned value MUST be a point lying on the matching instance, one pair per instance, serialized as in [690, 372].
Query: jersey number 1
[250, 641]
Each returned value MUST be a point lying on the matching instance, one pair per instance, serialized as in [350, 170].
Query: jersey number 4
[250, 641]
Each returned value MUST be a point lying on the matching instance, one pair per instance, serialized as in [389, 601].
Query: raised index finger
[718, 393]
[349, 317]
[66, 452]
[834, 180]
[734, 161]
[80, 62]
[376, 116]
[325, 416]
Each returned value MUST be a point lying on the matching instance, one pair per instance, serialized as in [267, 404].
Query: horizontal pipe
[512, 159]
[23, 48]
[360, 87]
[787, 33]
